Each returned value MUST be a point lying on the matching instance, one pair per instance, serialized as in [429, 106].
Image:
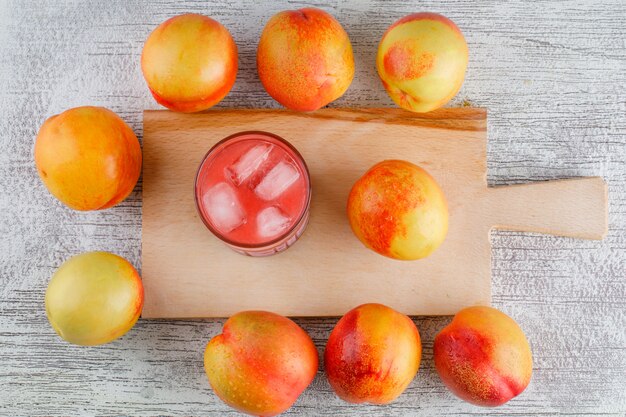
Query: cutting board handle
[574, 207]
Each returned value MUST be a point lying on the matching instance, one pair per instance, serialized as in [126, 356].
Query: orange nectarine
[88, 158]
[304, 59]
[189, 62]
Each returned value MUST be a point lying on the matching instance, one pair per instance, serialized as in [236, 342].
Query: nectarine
[304, 59]
[94, 298]
[398, 210]
[421, 61]
[372, 354]
[189, 62]
[483, 356]
[261, 362]
[88, 158]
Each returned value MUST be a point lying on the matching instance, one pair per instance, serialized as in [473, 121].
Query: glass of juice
[253, 191]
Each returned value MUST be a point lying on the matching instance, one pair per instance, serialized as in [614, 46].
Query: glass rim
[295, 224]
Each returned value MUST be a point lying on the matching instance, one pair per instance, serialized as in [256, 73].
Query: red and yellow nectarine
[260, 363]
[483, 356]
[421, 61]
[398, 210]
[372, 354]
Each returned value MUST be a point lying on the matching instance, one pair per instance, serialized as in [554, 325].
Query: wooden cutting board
[187, 272]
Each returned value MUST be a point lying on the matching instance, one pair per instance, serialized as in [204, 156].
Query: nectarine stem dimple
[303, 14]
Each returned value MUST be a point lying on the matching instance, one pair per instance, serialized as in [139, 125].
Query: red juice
[253, 192]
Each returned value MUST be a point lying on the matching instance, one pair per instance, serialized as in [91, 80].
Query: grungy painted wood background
[553, 75]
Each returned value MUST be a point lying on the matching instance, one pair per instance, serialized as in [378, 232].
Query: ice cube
[249, 162]
[276, 181]
[223, 207]
[271, 222]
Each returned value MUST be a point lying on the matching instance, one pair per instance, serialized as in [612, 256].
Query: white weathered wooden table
[553, 75]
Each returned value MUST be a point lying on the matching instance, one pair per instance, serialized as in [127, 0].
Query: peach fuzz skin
[483, 357]
[189, 63]
[304, 59]
[88, 158]
[260, 363]
[421, 61]
[372, 354]
[94, 298]
[398, 210]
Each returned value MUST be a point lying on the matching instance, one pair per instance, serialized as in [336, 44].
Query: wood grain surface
[552, 74]
[183, 265]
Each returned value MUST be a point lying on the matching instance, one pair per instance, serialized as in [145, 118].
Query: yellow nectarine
[94, 298]
[421, 61]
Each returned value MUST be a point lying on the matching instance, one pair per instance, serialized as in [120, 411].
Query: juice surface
[252, 190]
